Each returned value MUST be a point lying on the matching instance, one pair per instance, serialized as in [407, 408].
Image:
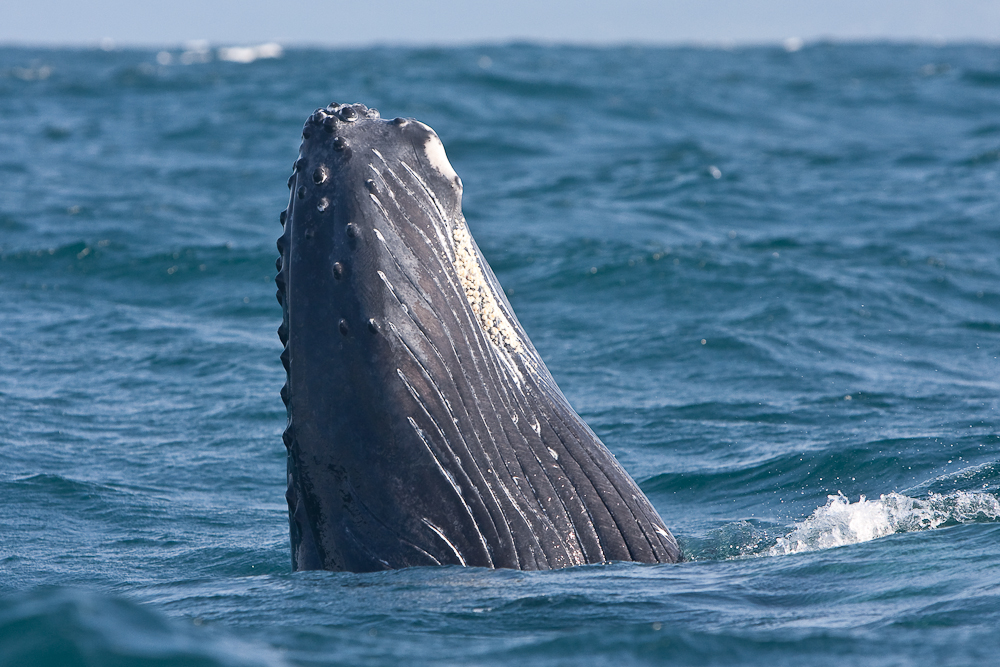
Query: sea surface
[768, 278]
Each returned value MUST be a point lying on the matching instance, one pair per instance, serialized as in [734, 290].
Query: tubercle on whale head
[326, 118]
[334, 117]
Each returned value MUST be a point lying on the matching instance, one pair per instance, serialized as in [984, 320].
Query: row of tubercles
[321, 175]
[281, 281]
[287, 436]
[327, 118]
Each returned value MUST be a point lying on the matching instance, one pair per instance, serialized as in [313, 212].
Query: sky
[352, 22]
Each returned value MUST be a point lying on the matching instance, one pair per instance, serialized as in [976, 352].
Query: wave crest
[842, 522]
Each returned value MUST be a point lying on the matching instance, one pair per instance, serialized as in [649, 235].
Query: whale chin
[423, 427]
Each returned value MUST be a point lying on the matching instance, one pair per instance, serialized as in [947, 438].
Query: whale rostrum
[423, 427]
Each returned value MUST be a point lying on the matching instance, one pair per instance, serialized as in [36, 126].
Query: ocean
[768, 277]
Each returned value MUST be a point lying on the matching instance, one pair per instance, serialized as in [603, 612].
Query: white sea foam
[841, 522]
[248, 54]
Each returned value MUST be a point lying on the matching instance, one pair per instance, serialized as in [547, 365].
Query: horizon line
[798, 42]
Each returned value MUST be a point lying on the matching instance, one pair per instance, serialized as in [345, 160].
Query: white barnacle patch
[554, 453]
[481, 297]
[536, 427]
[662, 532]
[480, 294]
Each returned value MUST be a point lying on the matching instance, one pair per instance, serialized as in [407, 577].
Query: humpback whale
[423, 427]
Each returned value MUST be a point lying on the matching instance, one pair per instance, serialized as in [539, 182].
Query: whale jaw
[423, 427]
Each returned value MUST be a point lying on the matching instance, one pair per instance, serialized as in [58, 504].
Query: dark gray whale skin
[423, 427]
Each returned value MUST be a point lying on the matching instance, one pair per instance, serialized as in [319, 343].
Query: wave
[841, 522]
[66, 627]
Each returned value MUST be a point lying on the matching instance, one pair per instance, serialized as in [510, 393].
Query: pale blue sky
[349, 22]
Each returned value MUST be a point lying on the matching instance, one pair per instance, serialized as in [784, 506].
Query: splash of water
[841, 522]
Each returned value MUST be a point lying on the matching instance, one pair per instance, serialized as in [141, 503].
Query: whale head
[423, 427]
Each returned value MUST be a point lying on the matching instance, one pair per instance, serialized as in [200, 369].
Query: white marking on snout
[436, 156]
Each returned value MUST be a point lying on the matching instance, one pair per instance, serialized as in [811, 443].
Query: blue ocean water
[768, 279]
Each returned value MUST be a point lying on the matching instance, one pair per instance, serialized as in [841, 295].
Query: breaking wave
[841, 522]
